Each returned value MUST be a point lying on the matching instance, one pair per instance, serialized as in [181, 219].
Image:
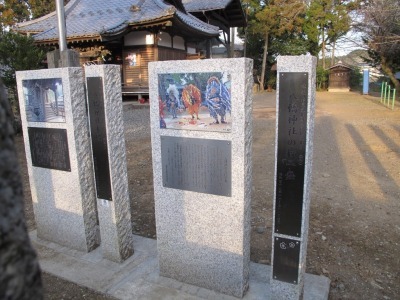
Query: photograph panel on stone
[44, 100]
[195, 101]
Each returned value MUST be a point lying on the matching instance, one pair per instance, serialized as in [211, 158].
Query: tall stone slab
[57, 146]
[293, 168]
[103, 85]
[201, 133]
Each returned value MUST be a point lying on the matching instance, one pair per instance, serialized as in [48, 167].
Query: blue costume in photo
[218, 99]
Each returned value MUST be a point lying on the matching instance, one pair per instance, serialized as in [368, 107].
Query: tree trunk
[333, 54]
[20, 276]
[389, 73]
[323, 49]
[245, 42]
[264, 62]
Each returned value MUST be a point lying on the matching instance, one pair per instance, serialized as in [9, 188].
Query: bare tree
[380, 26]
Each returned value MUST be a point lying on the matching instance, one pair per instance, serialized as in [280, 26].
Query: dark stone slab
[99, 137]
[198, 165]
[49, 148]
[292, 128]
[286, 260]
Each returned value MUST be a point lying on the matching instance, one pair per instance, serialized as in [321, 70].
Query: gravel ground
[137, 121]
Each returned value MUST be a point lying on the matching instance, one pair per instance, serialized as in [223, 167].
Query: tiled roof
[204, 5]
[340, 64]
[196, 23]
[93, 18]
[204, 9]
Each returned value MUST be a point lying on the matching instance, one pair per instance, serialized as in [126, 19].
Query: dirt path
[354, 236]
[355, 211]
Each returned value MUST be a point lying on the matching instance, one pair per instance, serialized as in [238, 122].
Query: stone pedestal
[53, 59]
[57, 146]
[103, 85]
[202, 170]
[63, 59]
[294, 145]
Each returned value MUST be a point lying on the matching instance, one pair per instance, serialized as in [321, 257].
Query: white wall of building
[138, 38]
[179, 43]
[164, 39]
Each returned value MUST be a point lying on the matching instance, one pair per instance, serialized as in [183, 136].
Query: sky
[350, 42]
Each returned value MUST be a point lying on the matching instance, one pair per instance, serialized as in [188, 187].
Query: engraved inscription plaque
[198, 165]
[99, 137]
[292, 126]
[49, 148]
[286, 260]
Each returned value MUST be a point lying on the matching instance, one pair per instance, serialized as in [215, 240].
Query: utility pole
[62, 57]
[232, 46]
[62, 39]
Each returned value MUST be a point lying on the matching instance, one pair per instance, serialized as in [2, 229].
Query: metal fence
[387, 94]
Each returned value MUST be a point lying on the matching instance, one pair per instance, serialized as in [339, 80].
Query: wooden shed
[339, 78]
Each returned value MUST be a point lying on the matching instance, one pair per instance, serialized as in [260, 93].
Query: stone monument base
[138, 277]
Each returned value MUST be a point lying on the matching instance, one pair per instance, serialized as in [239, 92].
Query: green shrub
[322, 78]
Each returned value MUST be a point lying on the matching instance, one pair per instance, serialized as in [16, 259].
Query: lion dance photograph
[195, 101]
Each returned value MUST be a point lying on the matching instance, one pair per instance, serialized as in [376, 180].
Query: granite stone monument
[201, 129]
[103, 86]
[57, 146]
[293, 170]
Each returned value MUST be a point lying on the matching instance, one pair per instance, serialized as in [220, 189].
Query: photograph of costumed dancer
[195, 101]
[191, 97]
[218, 99]
[173, 100]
